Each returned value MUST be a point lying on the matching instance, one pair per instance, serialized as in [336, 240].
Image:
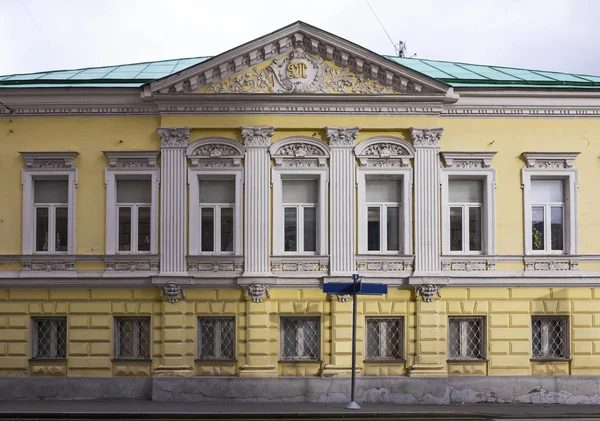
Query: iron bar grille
[133, 338]
[216, 338]
[466, 338]
[50, 338]
[300, 338]
[550, 337]
[384, 338]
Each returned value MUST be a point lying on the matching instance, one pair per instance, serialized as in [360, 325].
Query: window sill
[131, 360]
[300, 361]
[206, 361]
[398, 361]
[550, 360]
[48, 360]
[468, 361]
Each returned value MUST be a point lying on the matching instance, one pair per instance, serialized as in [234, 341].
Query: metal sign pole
[353, 404]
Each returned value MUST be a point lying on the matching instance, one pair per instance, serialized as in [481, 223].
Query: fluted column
[173, 209]
[343, 203]
[427, 200]
[257, 222]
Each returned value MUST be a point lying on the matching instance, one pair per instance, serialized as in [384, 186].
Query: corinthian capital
[174, 137]
[257, 136]
[341, 136]
[426, 138]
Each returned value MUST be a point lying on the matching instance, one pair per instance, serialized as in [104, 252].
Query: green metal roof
[454, 74]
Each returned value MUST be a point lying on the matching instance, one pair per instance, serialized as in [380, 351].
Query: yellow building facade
[173, 231]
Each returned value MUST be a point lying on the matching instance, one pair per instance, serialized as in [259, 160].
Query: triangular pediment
[298, 59]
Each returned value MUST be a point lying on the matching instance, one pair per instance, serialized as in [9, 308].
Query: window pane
[537, 228]
[546, 191]
[474, 229]
[226, 229]
[300, 191]
[290, 235]
[134, 191]
[556, 227]
[41, 229]
[217, 191]
[393, 228]
[144, 233]
[51, 191]
[208, 229]
[310, 229]
[379, 191]
[466, 191]
[125, 229]
[208, 340]
[373, 229]
[62, 229]
[456, 232]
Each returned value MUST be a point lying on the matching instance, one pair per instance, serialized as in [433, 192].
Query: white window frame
[138, 165]
[47, 166]
[470, 166]
[404, 177]
[215, 158]
[321, 176]
[552, 166]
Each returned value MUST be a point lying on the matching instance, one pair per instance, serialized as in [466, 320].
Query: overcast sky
[38, 35]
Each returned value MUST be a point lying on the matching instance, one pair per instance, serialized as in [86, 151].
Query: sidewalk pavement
[130, 409]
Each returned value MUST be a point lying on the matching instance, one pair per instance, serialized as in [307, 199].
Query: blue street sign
[361, 288]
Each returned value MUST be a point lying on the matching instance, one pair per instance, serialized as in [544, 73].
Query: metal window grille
[49, 340]
[133, 338]
[216, 338]
[300, 338]
[550, 337]
[466, 338]
[384, 338]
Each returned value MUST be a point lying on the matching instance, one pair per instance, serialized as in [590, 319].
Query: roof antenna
[400, 48]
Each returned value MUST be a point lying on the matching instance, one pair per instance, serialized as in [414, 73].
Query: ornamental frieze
[298, 72]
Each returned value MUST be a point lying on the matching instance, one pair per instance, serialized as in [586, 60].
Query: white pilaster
[257, 221]
[427, 200]
[173, 215]
[343, 203]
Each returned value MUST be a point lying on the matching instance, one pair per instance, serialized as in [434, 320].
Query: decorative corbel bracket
[257, 292]
[428, 291]
[172, 291]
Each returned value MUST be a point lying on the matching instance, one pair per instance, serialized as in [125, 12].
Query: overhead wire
[397, 49]
[58, 57]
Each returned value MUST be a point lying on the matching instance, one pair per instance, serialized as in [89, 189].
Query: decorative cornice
[257, 292]
[259, 136]
[426, 138]
[549, 160]
[341, 136]
[172, 291]
[215, 152]
[467, 160]
[174, 137]
[131, 160]
[428, 291]
[49, 160]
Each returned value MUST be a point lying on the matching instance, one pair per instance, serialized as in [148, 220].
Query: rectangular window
[132, 338]
[216, 338]
[383, 202]
[547, 215]
[49, 338]
[51, 203]
[466, 338]
[217, 210]
[550, 337]
[300, 339]
[134, 200]
[384, 338]
[466, 206]
[300, 203]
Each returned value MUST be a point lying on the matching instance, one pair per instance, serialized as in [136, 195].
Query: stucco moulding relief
[173, 137]
[464, 265]
[392, 264]
[300, 152]
[257, 136]
[49, 160]
[549, 160]
[296, 266]
[384, 152]
[467, 160]
[131, 160]
[426, 138]
[215, 153]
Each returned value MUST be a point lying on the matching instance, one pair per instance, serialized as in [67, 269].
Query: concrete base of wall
[400, 390]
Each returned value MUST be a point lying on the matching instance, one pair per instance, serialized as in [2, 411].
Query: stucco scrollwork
[341, 136]
[384, 152]
[49, 160]
[171, 137]
[257, 291]
[257, 136]
[172, 290]
[549, 160]
[428, 291]
[299, 153]
[215, 153]
[426, 138]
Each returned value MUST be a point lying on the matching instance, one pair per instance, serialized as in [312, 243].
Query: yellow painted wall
[507, 313]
